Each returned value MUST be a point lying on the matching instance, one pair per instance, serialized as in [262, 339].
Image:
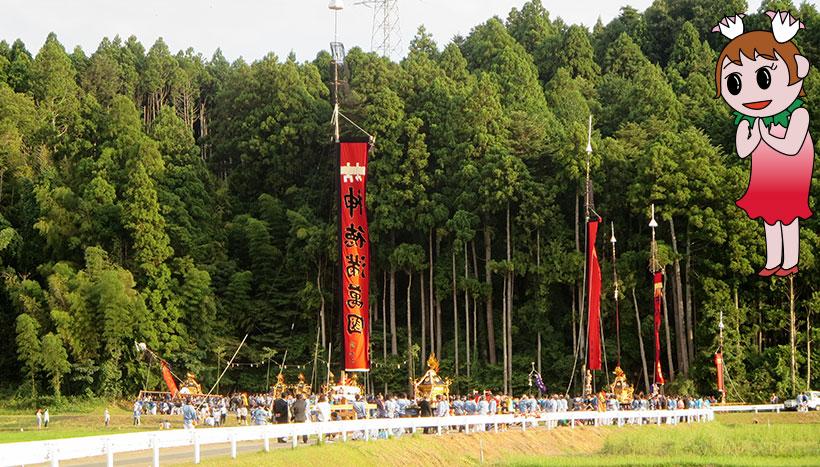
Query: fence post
[52, 454]
[366, 434]
[155, 447]
[344, 436]
[293, 438]
[109, 454]
[197, 457]
[438, 427]
[572, 423]
[495, 426]
[266, 443]
[233, 446]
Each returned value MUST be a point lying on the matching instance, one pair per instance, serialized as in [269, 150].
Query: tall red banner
[658, 283]
[719, 368]
[593, 299]
[355, 255]
[169, 378]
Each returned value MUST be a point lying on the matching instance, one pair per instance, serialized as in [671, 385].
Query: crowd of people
[262, 409]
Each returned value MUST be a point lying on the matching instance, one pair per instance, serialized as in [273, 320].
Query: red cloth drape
[169, 378]
[719, 368]
[355, 255]
[658, 285]
[593, 299]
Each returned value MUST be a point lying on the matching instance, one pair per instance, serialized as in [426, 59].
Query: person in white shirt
[323, 409]
[107, 418]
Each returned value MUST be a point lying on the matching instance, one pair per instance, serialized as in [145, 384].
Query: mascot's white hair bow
[730, 26]
[784, 25]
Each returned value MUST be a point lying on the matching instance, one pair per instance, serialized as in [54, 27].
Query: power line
[386, 34]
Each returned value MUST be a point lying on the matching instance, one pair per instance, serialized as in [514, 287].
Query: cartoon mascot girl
[760, 75]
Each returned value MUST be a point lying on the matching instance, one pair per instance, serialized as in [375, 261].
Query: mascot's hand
[747, 138]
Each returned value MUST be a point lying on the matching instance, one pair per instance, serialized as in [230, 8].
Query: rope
[223, 372]
[372, 138]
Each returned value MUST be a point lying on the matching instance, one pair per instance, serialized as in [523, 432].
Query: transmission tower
[386, 34]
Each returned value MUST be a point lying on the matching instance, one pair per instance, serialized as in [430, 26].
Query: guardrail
[749, 408]
[54, 451]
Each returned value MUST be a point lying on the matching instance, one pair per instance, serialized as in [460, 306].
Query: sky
[252, 28]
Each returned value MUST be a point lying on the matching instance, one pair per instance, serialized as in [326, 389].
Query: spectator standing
[299, 410]
[107, 417]
[443, 407]
[39, 418]
[359, 407]
[45, 418]
[189, 415]
[137, 413]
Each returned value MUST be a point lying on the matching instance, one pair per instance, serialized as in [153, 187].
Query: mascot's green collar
[781, 118]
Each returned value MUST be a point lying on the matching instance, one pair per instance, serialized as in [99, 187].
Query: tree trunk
[792, 332]
[808, 350]
[455, 309]
[488, 279]
[671, 371]
[680, 321]
[438, 327]
[384, 314]
[410, 363]
[538, 353]
[504, 332]
[322, 304]
[394, 346]
[690, 322]
[574, 312]
[430, 289]
[510, 289]
[466, 311]
[475, 301]
[640, 342]
[423, 313]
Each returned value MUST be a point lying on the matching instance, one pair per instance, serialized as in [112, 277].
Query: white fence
[53, 451]
[749, 408]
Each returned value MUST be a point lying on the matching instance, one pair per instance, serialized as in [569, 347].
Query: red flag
[719, 368]
[355, 255]
[169, 378]
[593, 299]
[658, 297]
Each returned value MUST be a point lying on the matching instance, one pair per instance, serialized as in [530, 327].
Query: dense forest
[183, 202]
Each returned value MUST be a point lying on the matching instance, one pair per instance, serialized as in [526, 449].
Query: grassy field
[733, 440]
[83, 418]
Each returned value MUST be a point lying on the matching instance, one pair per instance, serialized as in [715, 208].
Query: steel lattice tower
[386, 34]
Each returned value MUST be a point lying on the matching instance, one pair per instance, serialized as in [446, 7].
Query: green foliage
[55, 361]
[183, 202]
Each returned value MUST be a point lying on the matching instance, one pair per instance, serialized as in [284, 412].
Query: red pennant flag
[719, 368]
[355, 255]
[169, 378]
[658, 283]
[593, 299]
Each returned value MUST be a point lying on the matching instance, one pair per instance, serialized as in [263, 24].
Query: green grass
[671, 461]
[75, 418]
[787, 439]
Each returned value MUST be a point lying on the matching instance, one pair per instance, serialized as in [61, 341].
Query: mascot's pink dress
[779, 184]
